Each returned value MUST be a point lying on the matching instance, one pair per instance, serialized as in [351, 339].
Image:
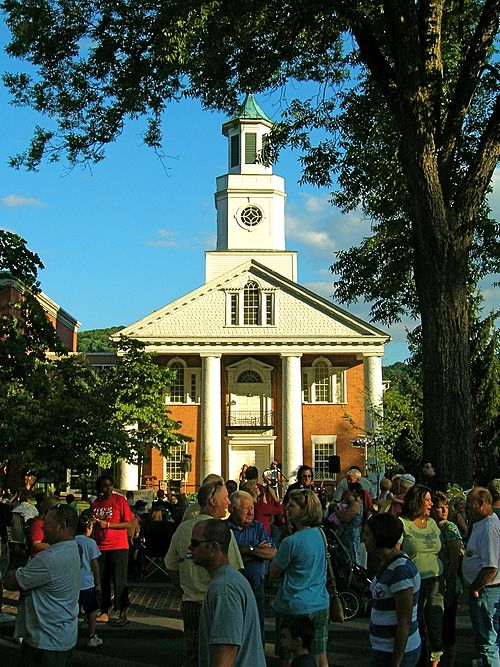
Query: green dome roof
[249, 110]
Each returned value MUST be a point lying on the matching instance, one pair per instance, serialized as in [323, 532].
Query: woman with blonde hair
[300, 564]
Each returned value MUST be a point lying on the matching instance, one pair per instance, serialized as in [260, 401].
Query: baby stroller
[353, 582]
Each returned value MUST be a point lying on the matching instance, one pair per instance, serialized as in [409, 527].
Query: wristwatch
[250, 548]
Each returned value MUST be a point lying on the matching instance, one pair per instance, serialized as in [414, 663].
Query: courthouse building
[265, 368]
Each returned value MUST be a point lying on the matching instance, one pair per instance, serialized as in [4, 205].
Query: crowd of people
[421, 547]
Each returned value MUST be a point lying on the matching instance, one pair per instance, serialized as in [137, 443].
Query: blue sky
[128, 236]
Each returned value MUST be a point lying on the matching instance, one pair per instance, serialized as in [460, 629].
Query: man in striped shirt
[394, 634]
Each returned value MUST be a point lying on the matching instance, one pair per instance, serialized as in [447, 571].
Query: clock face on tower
[250, 216]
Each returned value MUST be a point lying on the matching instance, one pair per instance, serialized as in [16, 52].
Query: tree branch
[371, 53]
[480, 172]
[467, 83]
[430, 20]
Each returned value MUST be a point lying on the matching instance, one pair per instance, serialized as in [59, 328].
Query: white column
[373, 390]
[211, 433]
[128, 476]
[291, 443]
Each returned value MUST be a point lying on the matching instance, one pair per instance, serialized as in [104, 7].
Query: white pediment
[300, 314]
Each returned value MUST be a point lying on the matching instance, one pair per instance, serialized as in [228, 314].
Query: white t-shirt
[51, 584]
[483, 549]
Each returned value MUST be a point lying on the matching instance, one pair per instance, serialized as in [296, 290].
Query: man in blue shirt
[255, 546]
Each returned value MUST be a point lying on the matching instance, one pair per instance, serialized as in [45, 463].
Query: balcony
[246, 419]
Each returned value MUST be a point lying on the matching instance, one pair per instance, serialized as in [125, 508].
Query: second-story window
[251, 306]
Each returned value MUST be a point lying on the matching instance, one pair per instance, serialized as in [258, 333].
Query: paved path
[154, 635]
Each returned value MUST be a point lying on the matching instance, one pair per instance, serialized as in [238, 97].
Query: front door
[258, 455]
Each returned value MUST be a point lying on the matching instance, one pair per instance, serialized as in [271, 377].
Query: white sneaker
[7, 618]
[94, 642]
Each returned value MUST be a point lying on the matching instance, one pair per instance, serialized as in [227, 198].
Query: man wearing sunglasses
[229, 623]
[192, 579]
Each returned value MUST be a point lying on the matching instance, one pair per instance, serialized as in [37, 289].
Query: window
[251, 303]
[250, 148]
[323, 447]
[235, 150]
[251, 306]
[249, 376]
[177, 386]
[322, 386]
[269, 308]
[173, 463]
[250, 216]
[323, 383]
[234, 308]
[185, 386]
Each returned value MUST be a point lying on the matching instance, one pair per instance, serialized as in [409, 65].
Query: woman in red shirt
[37, 536]
[111, 516]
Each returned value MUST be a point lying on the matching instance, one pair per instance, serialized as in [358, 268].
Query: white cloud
[166, 239]
[14, 200]
[321, 229]
[324, 289]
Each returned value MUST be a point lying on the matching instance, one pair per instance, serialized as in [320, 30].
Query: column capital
[284, 355]
[206, 355]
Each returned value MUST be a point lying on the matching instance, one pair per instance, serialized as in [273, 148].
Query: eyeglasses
[194, 543]
[218, 485]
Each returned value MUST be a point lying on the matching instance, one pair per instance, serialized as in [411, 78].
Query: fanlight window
[249, 376]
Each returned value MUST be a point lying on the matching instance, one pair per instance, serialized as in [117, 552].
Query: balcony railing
[250, 418]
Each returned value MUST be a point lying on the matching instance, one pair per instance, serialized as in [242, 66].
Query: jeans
[482, 611]
[260, 598]
[37, 657]
[191, 612]
[430, 612]
[382, 659]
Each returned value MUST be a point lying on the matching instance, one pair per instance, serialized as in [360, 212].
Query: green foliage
[80, 417]
[25, 331]
[97, 340]
[485, 359]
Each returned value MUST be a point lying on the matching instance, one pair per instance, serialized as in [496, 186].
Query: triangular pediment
[300, 314]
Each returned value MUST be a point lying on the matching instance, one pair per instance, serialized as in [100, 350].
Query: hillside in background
[96, 340]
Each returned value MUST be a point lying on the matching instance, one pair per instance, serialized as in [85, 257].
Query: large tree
[407, 90]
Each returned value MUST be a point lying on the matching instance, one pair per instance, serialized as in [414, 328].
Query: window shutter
[250, 148]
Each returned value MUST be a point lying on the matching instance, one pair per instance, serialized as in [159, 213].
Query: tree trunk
[441, 283]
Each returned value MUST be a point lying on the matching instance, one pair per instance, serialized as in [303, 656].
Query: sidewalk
[154, 635]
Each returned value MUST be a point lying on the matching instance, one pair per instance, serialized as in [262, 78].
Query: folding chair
[154, 546]
[17, 535]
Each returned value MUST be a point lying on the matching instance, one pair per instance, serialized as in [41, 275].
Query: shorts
[4, 559]
[321, 621]
[89, 600]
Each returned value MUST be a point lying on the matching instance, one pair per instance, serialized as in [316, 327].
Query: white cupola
[250, 199]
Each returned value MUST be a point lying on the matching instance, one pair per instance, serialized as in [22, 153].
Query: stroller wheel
[351, 604]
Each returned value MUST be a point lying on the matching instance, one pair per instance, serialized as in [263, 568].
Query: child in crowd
[89, 578]
[332, 514]
[385, 496]
[296, 636]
